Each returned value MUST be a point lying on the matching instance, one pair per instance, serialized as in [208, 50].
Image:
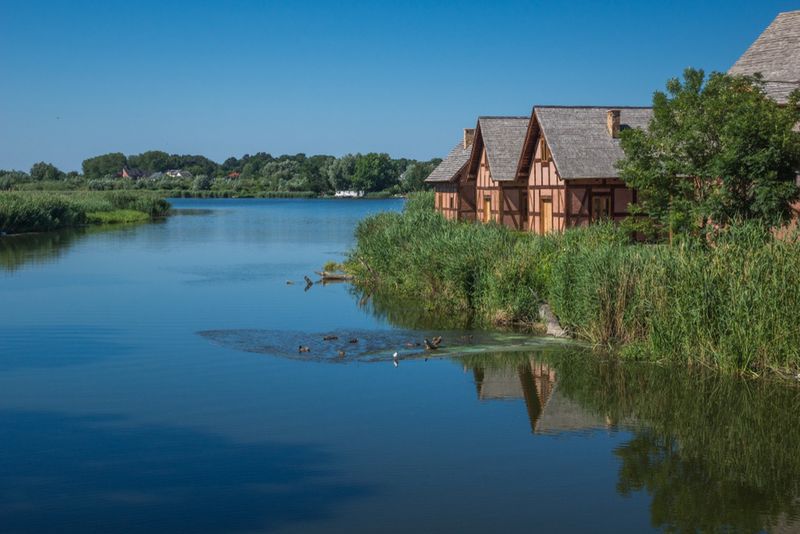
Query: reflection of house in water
[549, 411]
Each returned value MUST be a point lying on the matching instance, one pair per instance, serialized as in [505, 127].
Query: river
[150, 381]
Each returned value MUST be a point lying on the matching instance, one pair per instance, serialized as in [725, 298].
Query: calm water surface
[145, 385]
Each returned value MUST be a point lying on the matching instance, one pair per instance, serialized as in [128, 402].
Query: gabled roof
[502, 137]
[562, 414]
[451, 166]
[776, 55]
[578, 138]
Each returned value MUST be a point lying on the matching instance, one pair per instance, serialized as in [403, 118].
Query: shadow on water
[101, 474]
[408, 313]
[714, 453]
[17, 251]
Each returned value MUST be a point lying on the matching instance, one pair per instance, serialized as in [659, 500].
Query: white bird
[394, 359]
[394, 355]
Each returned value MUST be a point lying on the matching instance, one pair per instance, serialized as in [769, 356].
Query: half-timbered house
[775, 56]
[569, 156]
[445, 179]
[492, 167]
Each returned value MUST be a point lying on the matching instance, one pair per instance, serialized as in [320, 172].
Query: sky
[80, 78]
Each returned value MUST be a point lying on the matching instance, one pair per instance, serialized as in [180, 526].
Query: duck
[429, 345]
[353, 340]
[436, 341]
[330, 338]
[341, 353]
[303, 348]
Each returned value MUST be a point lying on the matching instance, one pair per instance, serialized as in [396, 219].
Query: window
[544, 151]
[601, 207]
[452, 202]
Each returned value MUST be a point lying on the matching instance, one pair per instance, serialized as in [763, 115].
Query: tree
[413, 179]
[103, 166]
[45, 171]
[373, 172]
[152, 161]
[202, 182]
[717, 150]
[341, 171]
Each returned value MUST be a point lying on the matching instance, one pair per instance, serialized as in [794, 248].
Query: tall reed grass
[733, 303]
[32, 211]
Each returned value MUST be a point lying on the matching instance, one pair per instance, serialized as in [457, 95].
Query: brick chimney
[469, 136]
[612, 122]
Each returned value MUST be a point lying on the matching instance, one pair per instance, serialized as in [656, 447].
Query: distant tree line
[259, 172]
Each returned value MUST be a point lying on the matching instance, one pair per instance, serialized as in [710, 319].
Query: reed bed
[32, 211]
[731, 303]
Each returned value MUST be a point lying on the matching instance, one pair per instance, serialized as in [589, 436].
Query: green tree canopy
[45, 171]
[373, 172]
[103, 166]
[717, 149]
[413, 179]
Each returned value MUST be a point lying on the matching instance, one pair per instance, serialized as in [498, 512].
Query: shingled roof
[451, 166]
[579, 141]
[776, 55]
[503, 137]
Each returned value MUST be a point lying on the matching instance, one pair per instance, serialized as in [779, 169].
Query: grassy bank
[39, 212]
[733, 305]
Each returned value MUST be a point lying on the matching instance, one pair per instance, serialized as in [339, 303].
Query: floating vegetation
[373, 346]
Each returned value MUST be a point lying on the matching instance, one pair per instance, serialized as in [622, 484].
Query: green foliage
[107, 165]
[717, 149]
[453, 267]
[373, 172]
[116, 217]
[39, 212]
[258, 175]
[731, 303]
[413, 179]
[715, 453]
[45, 171]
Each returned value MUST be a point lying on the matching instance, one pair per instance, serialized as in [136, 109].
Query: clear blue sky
[81, 78]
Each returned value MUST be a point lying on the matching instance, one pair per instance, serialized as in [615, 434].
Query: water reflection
[714, 453]
[16, 251]
[529, 378]
[103, 474]
[409, 313]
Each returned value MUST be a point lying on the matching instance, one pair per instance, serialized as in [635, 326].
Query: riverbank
[31, 211]
[733, 305]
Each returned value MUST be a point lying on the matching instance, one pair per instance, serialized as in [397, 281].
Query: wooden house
[775, 55]
[568, 156]
[449, 200]
[491, 170]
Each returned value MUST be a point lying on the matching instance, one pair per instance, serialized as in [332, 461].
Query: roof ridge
[551, 106]
[504, 117]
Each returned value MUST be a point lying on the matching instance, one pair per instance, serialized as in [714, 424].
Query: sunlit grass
[733, 303]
